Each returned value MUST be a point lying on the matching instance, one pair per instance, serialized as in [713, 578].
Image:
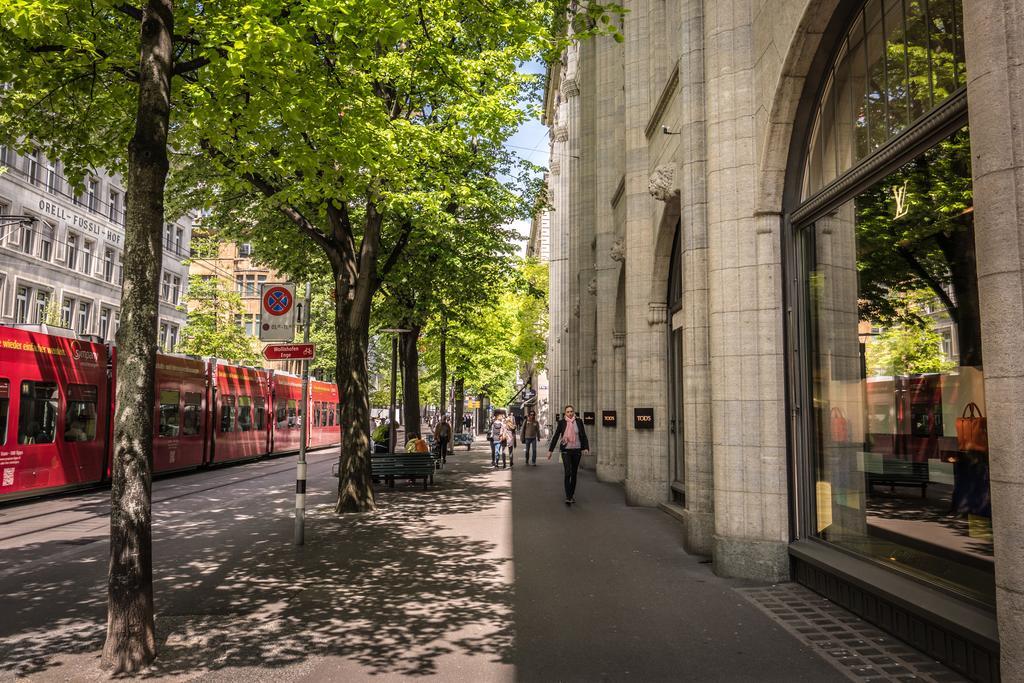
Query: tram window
[190, 418]
[37, 422]
[293, 416]
[245, 413]
[316, 414]
[281, 414]
[261, 418]
[5, 401]
[227, 414]
[169, 413]
[331, 417]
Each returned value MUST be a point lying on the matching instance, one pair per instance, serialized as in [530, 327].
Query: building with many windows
[235, 268]
[62, 251]
[787, 276]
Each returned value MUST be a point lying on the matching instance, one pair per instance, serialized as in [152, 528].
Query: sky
[529, 143]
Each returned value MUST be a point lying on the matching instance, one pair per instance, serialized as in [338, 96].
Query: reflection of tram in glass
[904, 427]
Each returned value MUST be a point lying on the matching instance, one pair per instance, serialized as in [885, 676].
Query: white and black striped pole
[300, 470]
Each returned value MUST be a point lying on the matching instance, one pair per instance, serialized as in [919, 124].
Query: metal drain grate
[855, 647]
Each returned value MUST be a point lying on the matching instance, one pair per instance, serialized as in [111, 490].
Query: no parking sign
[277, 312]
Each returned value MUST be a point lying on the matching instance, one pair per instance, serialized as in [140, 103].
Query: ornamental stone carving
[592, 286]
[618, 340]
[618, 250]
[570, 87]
[556, 167]
[576, 310]
[657, 313]
[561, 133]
[662, 183]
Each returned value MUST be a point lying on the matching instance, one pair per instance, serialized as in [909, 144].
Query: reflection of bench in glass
[892, 472]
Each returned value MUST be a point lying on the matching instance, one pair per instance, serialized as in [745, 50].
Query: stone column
[745, 310]
[586, 69]
[698, 462]
[994, 33]
[615, 462]
[606, 270]
[647, 451]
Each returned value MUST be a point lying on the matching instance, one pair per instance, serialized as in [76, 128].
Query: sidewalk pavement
[488, 576]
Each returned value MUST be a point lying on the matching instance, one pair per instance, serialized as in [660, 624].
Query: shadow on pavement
[393, 590]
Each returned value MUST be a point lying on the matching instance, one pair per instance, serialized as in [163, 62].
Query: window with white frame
[51, 176]
[67, 310]
[163, 336]
[72, 250]
[28, 237]
[21, 302]
[88, 246]
[33, 167]
[114, 206]
[92, 193]
[83, 317]
[108, 264]
[46, 234]
[165, 288]
[104, 322]
[175, 289]
[42, 301]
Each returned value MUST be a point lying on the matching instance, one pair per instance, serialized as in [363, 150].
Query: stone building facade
[67, 251]
[751, 198]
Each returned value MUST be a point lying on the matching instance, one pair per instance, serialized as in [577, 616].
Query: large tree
[361, 123]
[91, 84]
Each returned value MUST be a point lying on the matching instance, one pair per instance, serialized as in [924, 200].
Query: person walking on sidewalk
[497, 442]
[510, 438]
[531, 434]
[442, 435]
[571, 438]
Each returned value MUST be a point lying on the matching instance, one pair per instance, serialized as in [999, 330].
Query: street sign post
[289, 351]
[277, 312]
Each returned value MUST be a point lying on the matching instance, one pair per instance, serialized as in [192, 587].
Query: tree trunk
[355, 486]
[444, 370]
[958, 248]
[411, 384]
[460, 397]
[131, 640]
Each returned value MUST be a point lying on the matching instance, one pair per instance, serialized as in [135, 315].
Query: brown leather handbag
[972, 429]
[840, 426]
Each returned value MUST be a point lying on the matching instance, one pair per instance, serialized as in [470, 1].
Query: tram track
[157, 500]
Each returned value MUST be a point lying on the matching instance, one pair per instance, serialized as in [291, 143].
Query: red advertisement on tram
[54, 398]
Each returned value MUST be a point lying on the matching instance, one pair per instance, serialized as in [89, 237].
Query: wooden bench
[392, 466]
[464, 439]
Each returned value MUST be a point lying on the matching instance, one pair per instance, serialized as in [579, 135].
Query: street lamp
[392, 432]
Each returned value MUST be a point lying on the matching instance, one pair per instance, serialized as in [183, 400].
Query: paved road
[486, 577]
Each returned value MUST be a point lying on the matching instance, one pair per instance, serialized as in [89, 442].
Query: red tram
[57, 405]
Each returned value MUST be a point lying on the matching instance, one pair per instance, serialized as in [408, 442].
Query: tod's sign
[643, 418]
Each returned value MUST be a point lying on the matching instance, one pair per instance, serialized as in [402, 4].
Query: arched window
[887, 343]
[898, 61]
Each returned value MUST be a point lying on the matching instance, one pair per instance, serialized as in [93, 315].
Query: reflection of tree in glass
[911, 347]
[931, 245]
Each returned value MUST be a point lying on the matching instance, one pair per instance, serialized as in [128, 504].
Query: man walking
[531, 434]
[442, 435]
[571, 438]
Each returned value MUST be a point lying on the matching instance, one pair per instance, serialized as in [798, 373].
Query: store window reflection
[901, 447]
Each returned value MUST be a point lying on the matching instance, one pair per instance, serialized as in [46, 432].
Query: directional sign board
[289, 351]
[277, 312]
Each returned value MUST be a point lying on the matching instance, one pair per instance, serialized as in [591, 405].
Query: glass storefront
[897, 451]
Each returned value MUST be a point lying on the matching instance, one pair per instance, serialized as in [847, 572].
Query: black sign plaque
[588, 418]
[643, 418]
[609, 418]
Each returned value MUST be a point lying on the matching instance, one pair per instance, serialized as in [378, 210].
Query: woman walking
[571, 438]
[510, 438]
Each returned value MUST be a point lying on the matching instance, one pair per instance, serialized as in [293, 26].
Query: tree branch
[396, 251]
[930, 280]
